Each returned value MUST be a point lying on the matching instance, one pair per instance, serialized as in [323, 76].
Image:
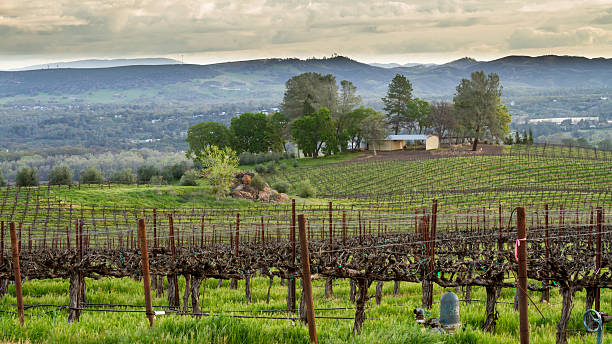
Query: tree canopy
[320, 91]
[373, 128]
[252, 132]
[478, 108]
[204, 134]
[311, 132]
[397, 102]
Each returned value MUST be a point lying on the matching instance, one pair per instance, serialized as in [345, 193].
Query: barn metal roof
[407, 137]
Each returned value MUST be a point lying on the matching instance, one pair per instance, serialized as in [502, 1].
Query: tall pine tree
[397, 102]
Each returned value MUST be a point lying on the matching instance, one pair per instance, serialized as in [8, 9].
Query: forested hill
[263, 80]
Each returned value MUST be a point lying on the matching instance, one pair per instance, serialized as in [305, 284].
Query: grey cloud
[530, 38]
[452, 22]
[282, 27]
[603, 20]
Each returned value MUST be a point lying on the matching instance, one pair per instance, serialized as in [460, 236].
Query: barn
[398, 142]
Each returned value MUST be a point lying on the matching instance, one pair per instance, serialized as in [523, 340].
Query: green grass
[387, 323]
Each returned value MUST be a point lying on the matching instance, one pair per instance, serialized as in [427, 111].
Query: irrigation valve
[419, 315]
[449, 312]
[594, 322]
[449, 315]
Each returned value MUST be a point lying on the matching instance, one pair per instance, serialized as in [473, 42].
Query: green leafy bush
[27, 176]
[271, 167]
[157, 180]
[282, 186]
[190, 178]
[145, 172]
[259, 168]
[295, 163]
[305, 190]
[174, 172]
[60, 175]
[282, 166]
[258, 182]
[247, 158]
[125, 176]
[2, 181]
[91, 175]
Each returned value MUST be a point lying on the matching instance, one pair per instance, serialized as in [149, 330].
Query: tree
[442, 119]
[397, 102]
[530, 137]
[373, 129]
[311, 132]
[219, 167]
[280, 131]
[478, 107]
[204, 134]
[146, 172]
[125, 176]
[91, 175]
[60, 175]
[321, 90]
[174, 172]
[252, 132]
[347, 102]
[27, 176]
[605, 144]
[418, 114]
[353, 124]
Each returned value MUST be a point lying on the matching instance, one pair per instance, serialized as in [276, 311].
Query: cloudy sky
[205, 31]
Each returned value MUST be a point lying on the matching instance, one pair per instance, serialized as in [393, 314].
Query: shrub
[258, 182]
[60, 175]
[146, 172]
[271, 168]
[27, 176]
[2, 181]
[125, 176]
[247, 158]
[296, 163]
[174, 172]
[157, 180]
[305, 190]
[190, 178]
[282, 166]
[259, 168]
[91, 175]
[282, 186]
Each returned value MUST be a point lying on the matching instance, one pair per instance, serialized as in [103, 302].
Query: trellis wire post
[291, 295]
[598, 255]
[17, 272]
[146, 278]
[306, 280]
[522, 274]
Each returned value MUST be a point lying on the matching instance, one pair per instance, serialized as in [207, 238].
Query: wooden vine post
[521, 242]
[173, 293]
[306, 280]
[329, 281]
[434, 214]
[146, 278]
[17, 272]
[291, 288]
[598, 255]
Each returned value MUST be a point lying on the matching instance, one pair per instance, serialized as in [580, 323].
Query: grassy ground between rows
[391, 322]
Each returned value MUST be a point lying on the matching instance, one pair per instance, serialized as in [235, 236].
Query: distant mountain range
[102, 63]
[164, 80]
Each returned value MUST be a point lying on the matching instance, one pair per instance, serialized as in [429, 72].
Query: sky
[202, 31]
